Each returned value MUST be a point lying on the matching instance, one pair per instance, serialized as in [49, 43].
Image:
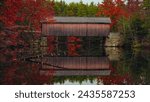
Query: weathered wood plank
[76, 29]
[77, 26]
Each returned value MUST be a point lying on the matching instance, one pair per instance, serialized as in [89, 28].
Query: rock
[114, 40]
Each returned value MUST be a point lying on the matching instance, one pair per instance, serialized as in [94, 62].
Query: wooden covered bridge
[81, 27]
[89, 27]
[77, 26]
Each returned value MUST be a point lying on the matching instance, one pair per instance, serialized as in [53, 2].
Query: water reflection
[74, 64]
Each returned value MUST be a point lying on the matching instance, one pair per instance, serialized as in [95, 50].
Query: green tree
[72, 9]
[82, 9]
[92, 9]
[75, 9]
[60, 8]
[146, 7]
[146, 4]
[124, 27]
[138, 29]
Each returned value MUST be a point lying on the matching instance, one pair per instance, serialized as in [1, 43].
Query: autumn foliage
[25, 12]
[113, 9]
[116, 80]
[72, 47]
[133, 6]
[19, 16]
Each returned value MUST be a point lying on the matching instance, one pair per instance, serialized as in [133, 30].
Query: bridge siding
[77, 26]
[76, 29]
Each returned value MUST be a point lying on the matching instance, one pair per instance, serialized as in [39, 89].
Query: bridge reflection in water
[74, 66]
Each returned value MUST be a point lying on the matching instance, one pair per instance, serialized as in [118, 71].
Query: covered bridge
[77, 26]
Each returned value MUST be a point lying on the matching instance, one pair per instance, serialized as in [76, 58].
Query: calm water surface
[74, 64]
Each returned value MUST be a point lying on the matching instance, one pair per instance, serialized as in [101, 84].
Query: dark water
[73, 64]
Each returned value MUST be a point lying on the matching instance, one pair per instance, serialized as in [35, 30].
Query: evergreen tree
[75, 9]
[92, 9]
[146, 7]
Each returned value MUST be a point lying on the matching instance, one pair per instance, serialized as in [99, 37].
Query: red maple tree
[133, 6]
[25, 12]
[113, 9]
[22, 15]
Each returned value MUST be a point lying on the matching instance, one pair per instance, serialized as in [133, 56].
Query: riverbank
[115, 39]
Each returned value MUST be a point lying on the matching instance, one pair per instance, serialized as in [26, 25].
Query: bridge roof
[80, 20]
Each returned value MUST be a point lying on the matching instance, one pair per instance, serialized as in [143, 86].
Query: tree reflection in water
[14, 71]
[131, 67]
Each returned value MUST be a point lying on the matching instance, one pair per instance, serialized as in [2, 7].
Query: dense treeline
[75, 9]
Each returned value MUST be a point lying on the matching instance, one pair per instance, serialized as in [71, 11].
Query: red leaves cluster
[29, 74]
[11, 36]
[36, 10]
[72, 47]
[50, 44]
[133, 6]
[113, 9]
[73, 39]
[9, 11]
[116, 80]
[25, 12]
[116, 9]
